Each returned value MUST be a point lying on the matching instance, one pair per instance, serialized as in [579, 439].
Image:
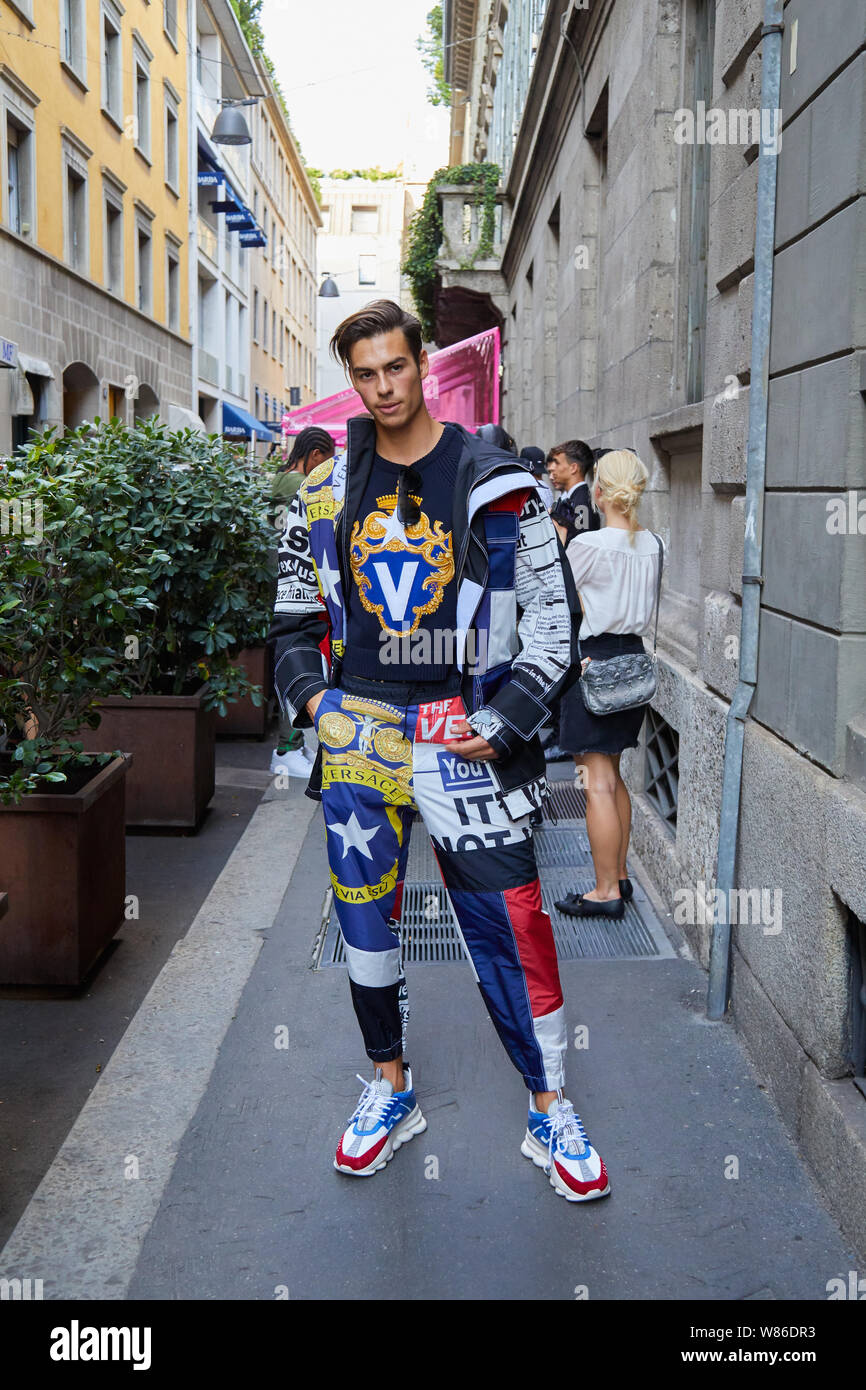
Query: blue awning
[240, 424]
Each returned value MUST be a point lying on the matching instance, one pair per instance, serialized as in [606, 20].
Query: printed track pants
[381, 763]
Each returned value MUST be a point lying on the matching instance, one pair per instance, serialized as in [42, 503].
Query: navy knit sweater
[402, 603]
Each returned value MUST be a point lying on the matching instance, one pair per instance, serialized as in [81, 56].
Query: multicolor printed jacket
[517, 609]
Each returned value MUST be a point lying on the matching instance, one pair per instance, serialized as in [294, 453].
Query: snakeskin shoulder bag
[621, 682]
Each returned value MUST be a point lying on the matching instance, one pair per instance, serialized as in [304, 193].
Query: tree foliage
[374, 175]
[431, 46]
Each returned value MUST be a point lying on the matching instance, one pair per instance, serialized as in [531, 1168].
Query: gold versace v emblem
[400, 572]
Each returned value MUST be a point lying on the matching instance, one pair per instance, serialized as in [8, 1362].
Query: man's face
[563, 473]
[386, 378]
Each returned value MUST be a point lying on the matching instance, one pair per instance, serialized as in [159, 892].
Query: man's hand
[475, 748]
[313, 705]
[561, 531]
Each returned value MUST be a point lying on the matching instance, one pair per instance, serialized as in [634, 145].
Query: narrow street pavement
[200, 1166]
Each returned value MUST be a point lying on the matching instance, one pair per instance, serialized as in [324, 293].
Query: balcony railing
[208, 240]
[467, 260]
[208, 367]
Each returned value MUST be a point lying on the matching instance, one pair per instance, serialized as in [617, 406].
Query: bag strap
[658, 587]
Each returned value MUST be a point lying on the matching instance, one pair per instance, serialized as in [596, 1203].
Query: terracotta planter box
[63, 869]
[171, 738]
[244, 719]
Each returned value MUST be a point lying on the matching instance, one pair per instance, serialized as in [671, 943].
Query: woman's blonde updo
[621, 478]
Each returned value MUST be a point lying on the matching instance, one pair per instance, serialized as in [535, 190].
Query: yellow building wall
[34, 55]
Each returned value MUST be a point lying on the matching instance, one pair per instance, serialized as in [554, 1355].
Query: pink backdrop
[463, 386]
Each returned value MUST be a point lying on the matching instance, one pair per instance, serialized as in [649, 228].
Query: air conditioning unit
[535, 43]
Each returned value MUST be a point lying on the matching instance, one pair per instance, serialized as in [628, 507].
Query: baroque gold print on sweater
[400, 573]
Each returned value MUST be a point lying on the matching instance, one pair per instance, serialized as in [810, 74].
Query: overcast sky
[354, 83]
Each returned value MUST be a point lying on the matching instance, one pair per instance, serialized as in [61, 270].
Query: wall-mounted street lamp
[329, 289]
[230, 128]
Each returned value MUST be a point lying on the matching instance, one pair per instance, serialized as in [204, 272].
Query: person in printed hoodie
[423, 624]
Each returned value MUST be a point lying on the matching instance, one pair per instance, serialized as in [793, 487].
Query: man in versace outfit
[423, 624]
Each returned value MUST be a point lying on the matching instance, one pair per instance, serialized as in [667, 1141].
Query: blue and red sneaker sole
[570, 1188]
[404, 1130]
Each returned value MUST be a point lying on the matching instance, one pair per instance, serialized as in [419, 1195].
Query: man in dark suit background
[568, 466]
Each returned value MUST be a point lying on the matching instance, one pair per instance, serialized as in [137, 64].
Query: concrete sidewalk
[236, 1196]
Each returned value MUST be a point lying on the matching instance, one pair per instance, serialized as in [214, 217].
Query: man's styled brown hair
[382, 316]
[576, 451]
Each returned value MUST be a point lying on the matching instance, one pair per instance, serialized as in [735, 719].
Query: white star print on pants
[354, 836]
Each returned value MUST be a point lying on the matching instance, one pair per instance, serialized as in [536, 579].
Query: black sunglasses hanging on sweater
[408, 509]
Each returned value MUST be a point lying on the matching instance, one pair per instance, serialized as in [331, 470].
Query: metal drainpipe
[756, 465]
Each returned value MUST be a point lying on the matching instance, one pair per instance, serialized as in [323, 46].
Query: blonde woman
[616, 571]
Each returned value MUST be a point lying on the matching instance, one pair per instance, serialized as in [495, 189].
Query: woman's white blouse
[616, 582]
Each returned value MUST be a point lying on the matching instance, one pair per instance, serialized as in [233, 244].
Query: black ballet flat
[568, 901]
[592, 907]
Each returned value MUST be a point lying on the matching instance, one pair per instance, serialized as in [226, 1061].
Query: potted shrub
[201, 511]
[248, 716]
[68, 582]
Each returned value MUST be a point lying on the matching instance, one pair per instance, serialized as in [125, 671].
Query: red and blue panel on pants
[508, 936]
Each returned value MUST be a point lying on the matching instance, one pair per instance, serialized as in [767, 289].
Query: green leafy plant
[202, 510]
[68, 581]
[426, 232]
[373, 175]
[432, 50]
[154, 569]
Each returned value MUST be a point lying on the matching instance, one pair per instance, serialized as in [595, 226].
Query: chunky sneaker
[291, 764]
[383, 1120]
[557, 1143]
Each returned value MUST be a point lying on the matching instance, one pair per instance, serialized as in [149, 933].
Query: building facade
[93, 213]
[360, 249]
[628, 133]
[283, 311]
[223, 230]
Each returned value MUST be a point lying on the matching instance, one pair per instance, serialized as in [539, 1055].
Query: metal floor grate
[421, 866]
[634, 937]
[427, 927]
[567, 801]
[429, 930]
[566, 847]
[430, 933]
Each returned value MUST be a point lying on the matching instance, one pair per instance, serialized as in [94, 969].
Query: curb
[82, 1230]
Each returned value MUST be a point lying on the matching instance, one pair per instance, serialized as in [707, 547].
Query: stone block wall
[621, 353]
[61, 317]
